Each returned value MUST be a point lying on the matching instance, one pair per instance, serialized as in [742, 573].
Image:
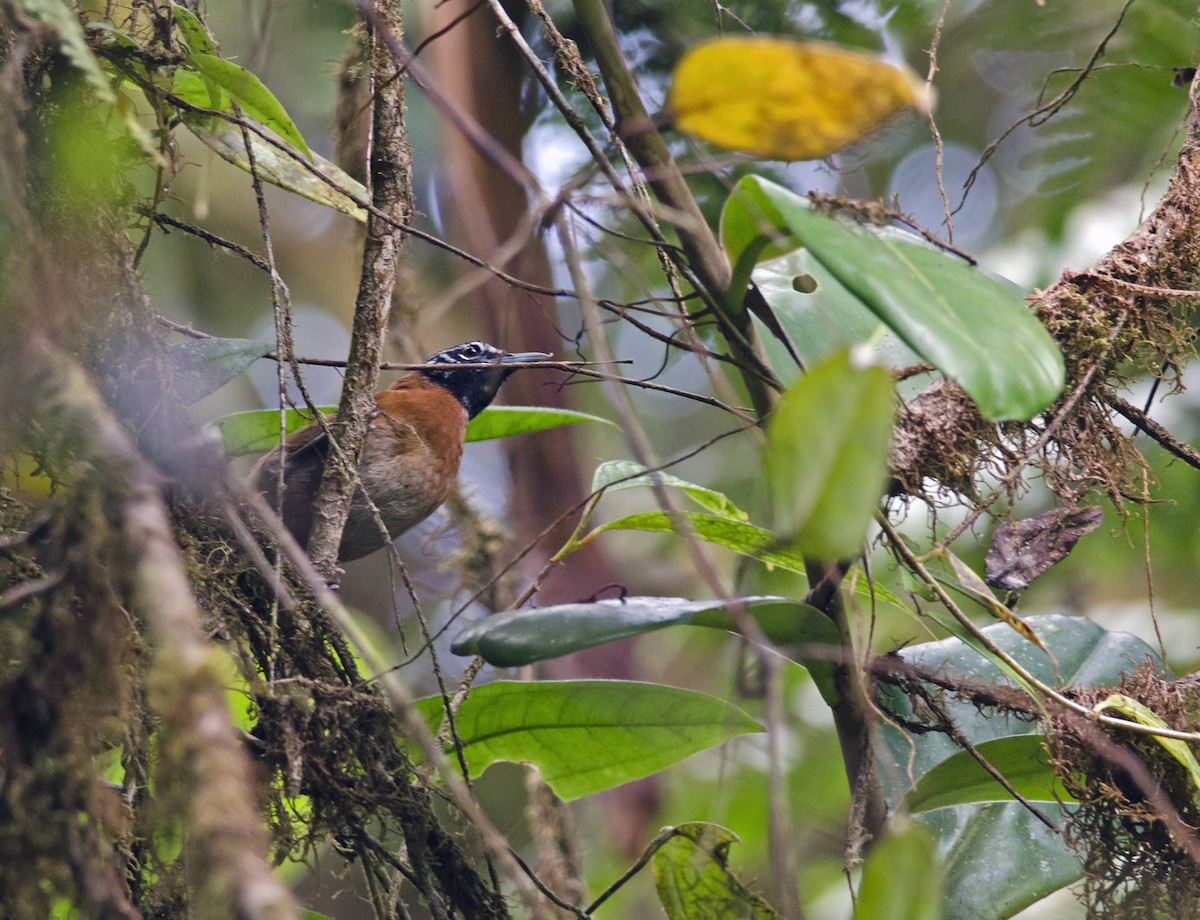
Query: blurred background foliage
[1053, 195]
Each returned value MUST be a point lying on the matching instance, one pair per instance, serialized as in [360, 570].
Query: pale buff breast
[419, 467]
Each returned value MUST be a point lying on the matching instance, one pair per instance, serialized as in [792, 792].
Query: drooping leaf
[203, 366]
[257, 431]
[1036, 860]
[975, 587]
[588, 735]
[971, 325]
[615, 475]
[251, 94]
[334, 190]
[520, 637]
[901, 878]
[694, 881]
[194, 89]
[786, 100]
[1023, 550]
[962, 780]
[827, 455]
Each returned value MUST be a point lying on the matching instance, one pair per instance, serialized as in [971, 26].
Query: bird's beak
[523, 357]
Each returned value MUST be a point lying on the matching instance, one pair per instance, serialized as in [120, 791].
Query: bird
[410, 459]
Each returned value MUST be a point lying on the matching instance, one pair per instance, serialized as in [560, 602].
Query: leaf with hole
[971, 325]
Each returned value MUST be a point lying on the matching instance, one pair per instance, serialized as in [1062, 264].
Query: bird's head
[473, 372]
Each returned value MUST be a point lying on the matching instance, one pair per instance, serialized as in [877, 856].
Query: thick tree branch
[703, 253]
[199, 750]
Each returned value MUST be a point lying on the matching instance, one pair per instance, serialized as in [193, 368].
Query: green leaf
[616, 475]
[506, 421]
[1036, 860]
[743, 538]
[106, 31]
[194, 89]
[962, 780]
[337, 190]
[970, 324]
[820, 322]
[827, 455]
[203, 366]
[184, 81]
[194, 33]
[1143, 715]
[901, 878]
[520, 637]
[251, 94]
[257, 431]
[693, 879]
[588, 735]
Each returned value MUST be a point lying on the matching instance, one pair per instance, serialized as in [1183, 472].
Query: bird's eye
[471, 351]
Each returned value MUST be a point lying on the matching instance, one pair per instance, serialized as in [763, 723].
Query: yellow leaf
[23, 475]
[787, 100]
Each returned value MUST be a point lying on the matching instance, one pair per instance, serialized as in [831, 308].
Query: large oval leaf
[962, 780]
[827, 456]
[1036, 860]
[970, 324]
[588, 735]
